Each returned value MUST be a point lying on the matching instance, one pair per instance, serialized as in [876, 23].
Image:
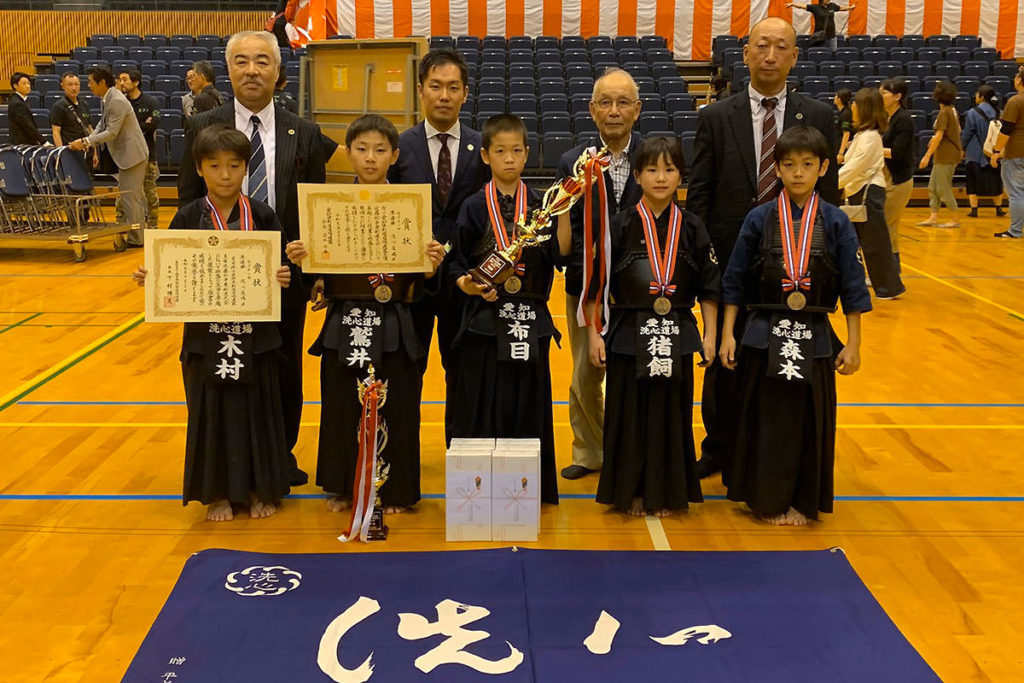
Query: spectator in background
[944, 147]
[147, 112]
[982, 179]
[188, 100]
[1009, 149]
[119, 130]
[284, 98]
[844, 120]
[206, 95]
[898, 150]
[717, 89]
[19, 112]
[71, 119]
[824, 13]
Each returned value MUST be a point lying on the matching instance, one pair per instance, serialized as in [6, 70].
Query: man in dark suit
[733, 171]
[22, 124]
[442, 152]
[286, 150]
[614, 107]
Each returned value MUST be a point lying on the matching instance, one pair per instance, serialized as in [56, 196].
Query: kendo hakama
[648, 434]
[784, 452]
[504, 378]
[235, 440]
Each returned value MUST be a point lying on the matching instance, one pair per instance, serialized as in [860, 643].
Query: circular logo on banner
[255, 581]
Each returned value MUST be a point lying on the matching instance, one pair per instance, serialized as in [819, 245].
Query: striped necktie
[257, 165]
[444, 168]
[767, 182]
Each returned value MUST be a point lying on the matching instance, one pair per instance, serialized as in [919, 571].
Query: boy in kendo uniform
[370, 320]
[795, 258]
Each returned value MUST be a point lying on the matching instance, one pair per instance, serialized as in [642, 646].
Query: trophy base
[378, 530]
[493, 271]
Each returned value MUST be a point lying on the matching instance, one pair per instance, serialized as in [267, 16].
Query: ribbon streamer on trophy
[592, 169]
[500, 264]
[367, 522]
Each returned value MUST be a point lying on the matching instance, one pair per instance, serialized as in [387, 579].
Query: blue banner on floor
[523, 615]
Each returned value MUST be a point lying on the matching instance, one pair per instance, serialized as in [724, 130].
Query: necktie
[257, 164]
[767, 183]
[444, 167]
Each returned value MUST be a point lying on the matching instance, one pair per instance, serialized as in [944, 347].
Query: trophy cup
[499, 267]
[375, 392]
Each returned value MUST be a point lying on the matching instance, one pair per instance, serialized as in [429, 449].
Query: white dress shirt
[758, 111]
[268, 135]
[434, 144]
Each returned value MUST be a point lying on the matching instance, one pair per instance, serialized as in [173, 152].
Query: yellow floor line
[657, 532]
[1016, 314]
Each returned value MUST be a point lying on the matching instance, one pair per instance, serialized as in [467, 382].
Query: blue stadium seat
[160, 147]
[603, 55]
[548, 56]
[490, 71]
[520, 42]
[41, 117]
[208, 40]
[815, 54]
[113, 53]
[555, 122]
[919, 118]
[637, 69]
[93, 63]
[223, 84]
[520, 56]
[599, 43]
[970, 42]
[929, 54]
[918, 69]
[167, 84]
[52, 98]
[851, 83]
[913, 84]
[122, 65]
[522, 104]
[985, 54]
[651, 121]
[886, 41]
[493, 57]
[923, 138]
[491, 103]
[802, 70]
[62, 65]
[551, 86]
[140, 53]
[127, 40]
[859, 41]
[625, 42]
[732, 55]
[871, 81]
[575, 71]
[923, 101]
[170, 120]
[913, 40]
[630, 54]
[83, 54]
[471, 42]
[555, 70]
[941, 41]
[659, 71]
[968, 85]
[493, 42]
[658, 55]
[874, 54]
[522, 86]
[651, 101]
[646, 84]
[553, 103]
[179, 68]
[579, 104]
[554, 146]
[929, 82]
[220, 68]
[575, 56]
[847, 54]
[529, 120]
[684, 122]
[45, 83]
[1005, 69]
[581, 86]
[947, 70]
[465, 117]
[471, 56]
[960, 55]
[679, 103]
[546, 43]
[583, 124]
[167, 54]
[670, 86]
[686, 140]
[740, 71]
[860, 69]
[815, 85]
[181, 41]
[647, 42]
[195, 54]
[176, 147]
[101, 40]
[902, 54]
[889, 69]
[830, 69]
[154, 40]
[491, 86]
[533, 157]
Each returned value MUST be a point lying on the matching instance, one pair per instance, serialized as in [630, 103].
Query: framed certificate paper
[355, 229]
[202, 276]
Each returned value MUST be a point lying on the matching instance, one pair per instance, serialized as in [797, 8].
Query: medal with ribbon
[663, 264]
[381, 283]
[244, 214]
[797, 278]
[501, 238]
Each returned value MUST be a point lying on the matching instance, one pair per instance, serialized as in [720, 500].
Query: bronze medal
[382, 294]
[513, 284]
[662, 305]
[796, 301]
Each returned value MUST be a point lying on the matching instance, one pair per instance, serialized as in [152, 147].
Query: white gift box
[468, 495]
[471, 444]
[515, 494]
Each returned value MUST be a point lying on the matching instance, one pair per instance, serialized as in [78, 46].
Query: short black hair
[372, 123]
[102, 74]
[134, 75]
[440, 57]
[655, 148]
[988, 94]
[204, 69]
[945, 92]
[67, 74]
[844, 96]
[17, 76]
[801, 139]
[896, 86]
[503, 123]
[220, 138]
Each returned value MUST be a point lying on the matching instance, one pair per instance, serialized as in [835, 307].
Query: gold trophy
[378, 531]
[500, 265]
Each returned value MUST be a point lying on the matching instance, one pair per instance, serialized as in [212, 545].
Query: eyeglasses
[605, 105]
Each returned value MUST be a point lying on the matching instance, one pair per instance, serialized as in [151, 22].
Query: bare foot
[778, 520]
[796, 518]
[259, 509]
[637, 510]
[396, 509]
[219, 511]
[664, 512]
[338, 503]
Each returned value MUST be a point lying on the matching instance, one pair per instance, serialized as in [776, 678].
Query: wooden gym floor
[929, 480]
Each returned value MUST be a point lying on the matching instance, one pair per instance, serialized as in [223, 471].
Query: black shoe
[973, 213]
[133, 245]
[297, 477]
[1006, 234]
[1000, 211]
[576, 472]
[708, 465]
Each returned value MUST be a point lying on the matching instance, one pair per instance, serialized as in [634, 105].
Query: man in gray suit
[119, 130]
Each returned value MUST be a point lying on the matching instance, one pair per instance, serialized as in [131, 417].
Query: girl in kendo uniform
[661, 260]
[795, 258]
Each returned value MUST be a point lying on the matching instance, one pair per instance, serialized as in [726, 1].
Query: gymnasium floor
[929, 480]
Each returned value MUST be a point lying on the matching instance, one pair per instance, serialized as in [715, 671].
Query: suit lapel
[286, 147]
[794, 115]
[743, 130]
[467, 148]
[421, 154]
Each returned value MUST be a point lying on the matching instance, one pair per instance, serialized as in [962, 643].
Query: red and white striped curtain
[688, 25]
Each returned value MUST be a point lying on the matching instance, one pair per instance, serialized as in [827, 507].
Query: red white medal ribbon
[594, 177]
[663, 264]
[498, 223]
[244, 214]
[377, 279]
[796, 272]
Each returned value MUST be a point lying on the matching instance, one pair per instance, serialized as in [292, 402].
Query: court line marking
[440, 496]
[962, 290]
[657, 532]
[141, 425]
[74, 359]
[20, 323]
[557, 403]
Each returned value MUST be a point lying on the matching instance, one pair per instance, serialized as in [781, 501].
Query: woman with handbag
[982, 179]
[863, 181]
[898, 151]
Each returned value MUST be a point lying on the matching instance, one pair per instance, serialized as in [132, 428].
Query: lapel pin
[799, 116]
[291, 131]
[469, 147]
